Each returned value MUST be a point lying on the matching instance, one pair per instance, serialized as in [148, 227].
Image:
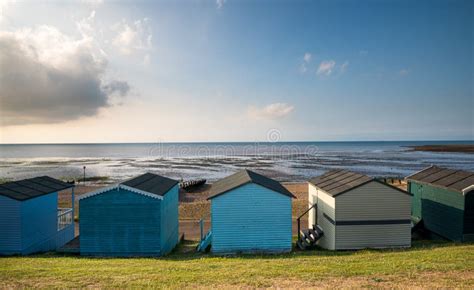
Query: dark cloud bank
[35, 90]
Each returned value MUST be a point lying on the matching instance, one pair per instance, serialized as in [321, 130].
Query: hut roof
[339, 181]
[148, 184]
[243, 177]
[451, 179]
[152, 183]
[33, 187]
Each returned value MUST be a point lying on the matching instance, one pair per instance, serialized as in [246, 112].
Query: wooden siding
[10, 226]
[312, 199]
[169, 220]
[326, 207]
[251, 218]
[120, 223]
[416, 190]
[350, 237]
[442, 210]
[39, 223]
[373, 201]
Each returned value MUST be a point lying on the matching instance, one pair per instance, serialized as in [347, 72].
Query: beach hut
[443, 199]
[30, 220]
[355, 211]
[250, 213]
[138, 217]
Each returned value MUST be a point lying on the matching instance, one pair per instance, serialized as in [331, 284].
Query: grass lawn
[427, 264]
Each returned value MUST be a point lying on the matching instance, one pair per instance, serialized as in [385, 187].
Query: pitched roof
[243, 177]
[152, 183]
[452, 179]
[33, 187]
[336, 182]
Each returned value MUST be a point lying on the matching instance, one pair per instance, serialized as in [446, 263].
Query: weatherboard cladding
[120, 223]
[129, 219]
[456, 180]
[251, 218]
[371, 215]
[10, 226]
[442, 209]
[30, 188]
[244, 177]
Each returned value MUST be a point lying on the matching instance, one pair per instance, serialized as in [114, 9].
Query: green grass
[427, 264]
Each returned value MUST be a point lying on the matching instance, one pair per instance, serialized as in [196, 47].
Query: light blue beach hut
[250, 213]
[30, 220]
[138, 217]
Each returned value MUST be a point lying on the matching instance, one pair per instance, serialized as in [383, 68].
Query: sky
[228, 70]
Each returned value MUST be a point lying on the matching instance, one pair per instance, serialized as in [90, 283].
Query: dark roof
[33, 187]
[452, 179]
[338, 181]
[151, 183]
[243, 177]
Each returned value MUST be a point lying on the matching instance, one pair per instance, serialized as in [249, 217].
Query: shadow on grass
[186, 251]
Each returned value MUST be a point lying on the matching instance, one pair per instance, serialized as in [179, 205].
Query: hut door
[469, 213]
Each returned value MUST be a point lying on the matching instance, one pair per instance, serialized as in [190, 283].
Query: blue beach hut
[250, 213]
[138, 217]
[30, 220]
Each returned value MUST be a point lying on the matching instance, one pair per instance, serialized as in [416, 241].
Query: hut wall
[251, 218]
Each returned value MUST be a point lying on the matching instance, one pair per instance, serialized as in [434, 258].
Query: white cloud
[220, 3]
[326, 67]
[136, 36]
[329, 67]
[48, 77]
[272, 111]
[306, 60]
[404, 72]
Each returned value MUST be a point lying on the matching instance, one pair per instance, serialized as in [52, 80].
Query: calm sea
[286, 161]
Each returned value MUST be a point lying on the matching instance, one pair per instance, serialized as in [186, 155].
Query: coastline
[449, 148]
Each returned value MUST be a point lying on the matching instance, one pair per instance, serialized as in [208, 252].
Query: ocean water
[285, 161]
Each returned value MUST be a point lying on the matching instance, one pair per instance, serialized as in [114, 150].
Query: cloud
[220, 3]
[326, 67]
[404, 72]
[306, 60]
[49, 77]
[136, 36]
[272, 111]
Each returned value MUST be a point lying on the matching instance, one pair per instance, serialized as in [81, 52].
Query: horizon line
[238, 142]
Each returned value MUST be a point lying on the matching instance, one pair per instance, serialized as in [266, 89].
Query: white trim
[467, 189]
[406, 178]
[140, 191]
[99, 191]
[117, 187]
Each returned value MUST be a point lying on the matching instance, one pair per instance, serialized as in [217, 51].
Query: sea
[284, 161]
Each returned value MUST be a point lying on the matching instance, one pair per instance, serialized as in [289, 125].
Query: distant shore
[454, 148]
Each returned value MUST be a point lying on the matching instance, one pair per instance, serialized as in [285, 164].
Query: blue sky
[235, 70]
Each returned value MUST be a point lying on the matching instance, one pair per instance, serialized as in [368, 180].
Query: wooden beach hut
[138, 217]
[348, 210]
[443, 200]
[30, 220]
[250, 213]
